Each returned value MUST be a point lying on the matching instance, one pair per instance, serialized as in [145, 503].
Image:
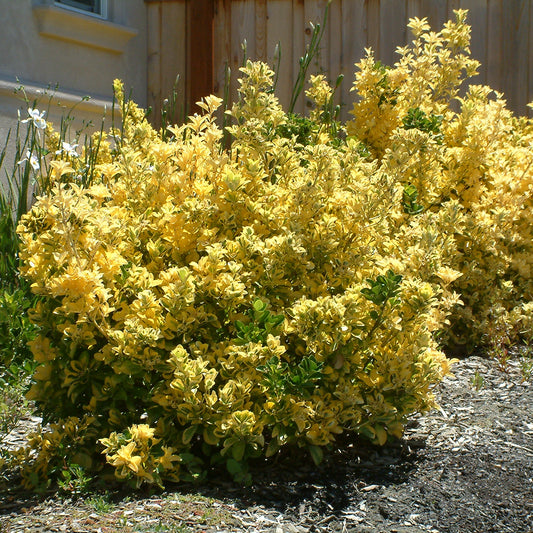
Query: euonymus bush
[477, 159]
[202, 305]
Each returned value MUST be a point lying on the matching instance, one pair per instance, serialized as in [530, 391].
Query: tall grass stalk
[307, 58]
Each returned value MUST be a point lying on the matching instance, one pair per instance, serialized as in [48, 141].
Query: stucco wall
[77, 67]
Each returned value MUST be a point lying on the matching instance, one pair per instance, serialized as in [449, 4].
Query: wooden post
[200, 51]
[167, 43]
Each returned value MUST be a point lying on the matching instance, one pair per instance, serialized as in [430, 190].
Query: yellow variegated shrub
[468, 152]
[203, 302]
[203, 305]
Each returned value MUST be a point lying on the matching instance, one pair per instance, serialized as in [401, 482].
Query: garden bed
[467, 467]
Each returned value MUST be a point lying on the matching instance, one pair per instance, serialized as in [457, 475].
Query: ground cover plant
[202, 305]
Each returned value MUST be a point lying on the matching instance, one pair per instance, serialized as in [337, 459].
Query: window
[66, 20]
[96, 7]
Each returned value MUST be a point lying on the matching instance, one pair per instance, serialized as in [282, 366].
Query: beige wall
[45, 45]
[76, 66]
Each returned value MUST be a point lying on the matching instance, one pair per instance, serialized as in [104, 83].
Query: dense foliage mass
[477, 158]
[202, 305]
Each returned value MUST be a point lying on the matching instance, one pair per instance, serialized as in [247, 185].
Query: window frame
[66, 23]
[102, 14]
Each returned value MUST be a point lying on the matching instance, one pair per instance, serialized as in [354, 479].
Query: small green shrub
[13, 408]
[16, 331]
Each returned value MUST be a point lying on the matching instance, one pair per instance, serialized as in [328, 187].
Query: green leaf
[238, 449]
[259, 306]
[188, 434]
[272, 448]
[381, 434]
[234, 467]
[409, 201]
[210, 437]
[382, 288]
[368, 432]
[316, 453]
[276, 320]
[191, 461]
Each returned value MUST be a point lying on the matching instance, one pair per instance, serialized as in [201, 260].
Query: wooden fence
[198, 38]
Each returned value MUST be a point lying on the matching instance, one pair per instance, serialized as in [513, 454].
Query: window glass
[91, 6]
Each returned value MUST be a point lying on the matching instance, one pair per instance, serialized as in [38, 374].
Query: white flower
[32, 158]
[69, 149]
[36, 117]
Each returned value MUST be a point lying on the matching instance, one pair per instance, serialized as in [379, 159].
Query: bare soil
[466, 468]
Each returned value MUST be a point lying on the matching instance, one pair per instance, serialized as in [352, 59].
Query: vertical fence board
[173, 50]
[452, 5]
[354, 32]
[261, 36]
[529, 90]
[354, 42]
[502, 33]
[392, 29]
[222, 44]
[313, 16]
[413, 9]
[314, 13]
[173, 47]
[520, 86]
[477, 19]
[154, 60]
[494, 43]
[436, 12]
[335, 38]
[373, 17]
[200, 71]
[242, 28]
[298, 44]
[279, 31]
[509, 27]
[515, 53]
[335, 58]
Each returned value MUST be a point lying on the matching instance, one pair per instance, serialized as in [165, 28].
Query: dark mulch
[466, 468]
